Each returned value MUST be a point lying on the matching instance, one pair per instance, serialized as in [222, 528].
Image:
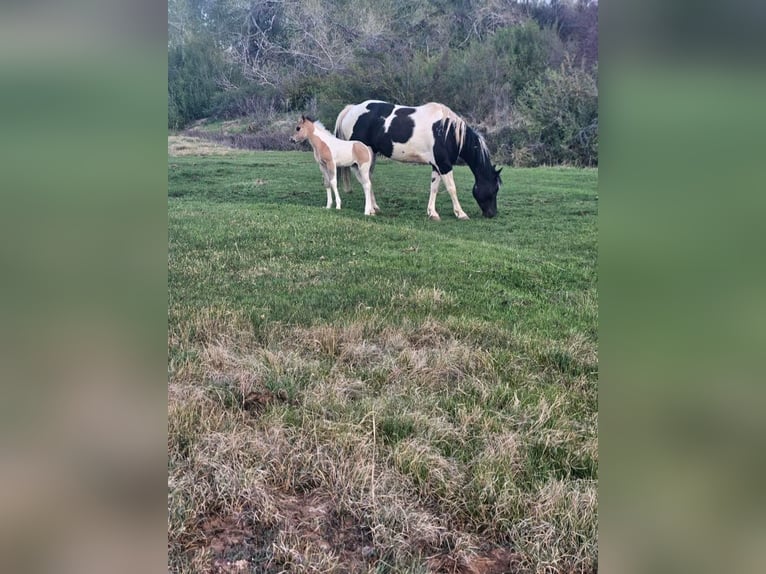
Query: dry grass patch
[425, 297]
[372, 448]
[185, 145]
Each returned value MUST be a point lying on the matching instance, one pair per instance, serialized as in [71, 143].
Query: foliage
[576, 23]
[259, 58]
[193, 71]
[510, 58]
[560, 113]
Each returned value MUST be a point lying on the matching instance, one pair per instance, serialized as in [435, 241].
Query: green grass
[259, 240]
[423, 393]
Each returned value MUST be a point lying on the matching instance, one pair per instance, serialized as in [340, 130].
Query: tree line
[523, 72]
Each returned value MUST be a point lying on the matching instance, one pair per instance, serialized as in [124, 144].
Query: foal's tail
[344, 173]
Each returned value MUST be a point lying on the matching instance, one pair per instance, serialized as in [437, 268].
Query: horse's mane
[476, 153]
[451, 119]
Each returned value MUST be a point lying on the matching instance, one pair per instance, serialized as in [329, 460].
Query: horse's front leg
[449, 182]
[435, 179]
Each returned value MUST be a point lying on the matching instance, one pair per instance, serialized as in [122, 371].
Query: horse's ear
[303, 117]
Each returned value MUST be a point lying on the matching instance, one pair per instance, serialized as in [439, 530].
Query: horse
[429, 134]
[331, 152]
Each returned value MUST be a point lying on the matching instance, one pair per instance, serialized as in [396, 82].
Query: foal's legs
[435, 179]
[449, 181]
[375, 207]
[362, 173]
[326, 179]
[333, 180]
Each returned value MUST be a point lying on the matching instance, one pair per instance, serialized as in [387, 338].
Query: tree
[193, 70]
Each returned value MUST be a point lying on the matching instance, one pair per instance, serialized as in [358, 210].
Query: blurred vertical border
[83, 243]
[682, 407]
[83, 248]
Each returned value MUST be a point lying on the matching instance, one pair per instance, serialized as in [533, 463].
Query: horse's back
[345, 152]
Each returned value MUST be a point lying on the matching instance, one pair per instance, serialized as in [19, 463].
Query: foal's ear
[303, 117]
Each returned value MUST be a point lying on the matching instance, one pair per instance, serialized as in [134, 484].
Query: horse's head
[485, 192]
[304, 129]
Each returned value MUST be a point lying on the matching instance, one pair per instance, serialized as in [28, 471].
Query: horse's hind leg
[362, 174]
[449, 181]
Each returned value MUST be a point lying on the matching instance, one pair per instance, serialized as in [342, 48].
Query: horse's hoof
[376, 210]
[463, 217]
[434, 217]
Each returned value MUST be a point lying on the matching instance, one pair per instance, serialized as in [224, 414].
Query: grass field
[387, 394]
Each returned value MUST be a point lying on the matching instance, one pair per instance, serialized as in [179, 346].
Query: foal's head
[304, 130]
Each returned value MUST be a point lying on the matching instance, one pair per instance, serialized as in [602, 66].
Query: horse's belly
[409, 155]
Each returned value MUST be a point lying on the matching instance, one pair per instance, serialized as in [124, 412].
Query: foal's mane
[317, 125]
[320, 125]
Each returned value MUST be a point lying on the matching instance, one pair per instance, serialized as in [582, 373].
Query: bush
[248, 99]
[486, 77]
[560, 113]
[504, 144]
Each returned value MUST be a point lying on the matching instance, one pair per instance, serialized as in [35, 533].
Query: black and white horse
[430, 134]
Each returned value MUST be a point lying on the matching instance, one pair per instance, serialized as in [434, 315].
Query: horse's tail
[344, 173]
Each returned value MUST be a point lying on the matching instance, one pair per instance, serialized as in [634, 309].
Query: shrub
[560, 113]
[486, 77]
[247, 99]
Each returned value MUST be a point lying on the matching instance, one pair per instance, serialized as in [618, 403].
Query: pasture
[379, 394]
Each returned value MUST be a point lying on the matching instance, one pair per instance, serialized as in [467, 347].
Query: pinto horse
[331, 152]
[430, 134]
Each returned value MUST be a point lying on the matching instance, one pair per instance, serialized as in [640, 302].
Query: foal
[330, 153]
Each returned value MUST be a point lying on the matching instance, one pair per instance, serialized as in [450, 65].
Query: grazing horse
[331, 152]
[431, 134]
